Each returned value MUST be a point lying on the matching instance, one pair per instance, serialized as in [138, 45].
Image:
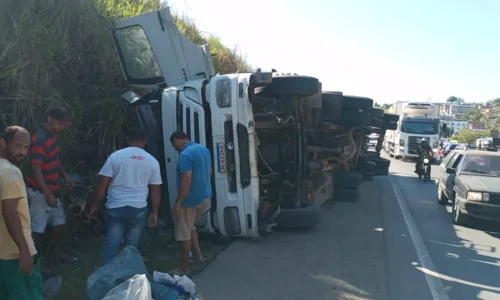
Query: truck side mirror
[450, 171]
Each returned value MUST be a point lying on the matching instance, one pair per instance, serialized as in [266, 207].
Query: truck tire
[299, 218]
[377, 113]
[346, 195]
[339, 101]
[391, 117]
[346, 179]
[357, 102]
[389, 125]
[381, 171]
[376, 122]
[290, 85]
[347, 116]
[367, 167]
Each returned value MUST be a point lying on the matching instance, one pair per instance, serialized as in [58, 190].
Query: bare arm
[184, 188]
[13, 223]
[99, 189]
[155, 197]
[37, 173]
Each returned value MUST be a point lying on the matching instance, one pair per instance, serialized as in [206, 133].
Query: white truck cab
[253, 187]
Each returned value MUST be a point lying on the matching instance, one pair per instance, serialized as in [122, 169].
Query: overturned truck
[279, 144]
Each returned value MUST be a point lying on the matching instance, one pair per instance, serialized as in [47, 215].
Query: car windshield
[410, 126]
[451, 147]
[481, 164]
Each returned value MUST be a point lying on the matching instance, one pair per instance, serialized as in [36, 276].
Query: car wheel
[299, 218]
[290, 85]
[459, 218]
[442, 199]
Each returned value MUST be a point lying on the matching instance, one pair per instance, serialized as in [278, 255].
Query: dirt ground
[158, 249]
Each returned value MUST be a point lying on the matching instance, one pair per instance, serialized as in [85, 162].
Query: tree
[453, 99]
[495, 102]
[474, 116]
[445, 131]
[469, 136]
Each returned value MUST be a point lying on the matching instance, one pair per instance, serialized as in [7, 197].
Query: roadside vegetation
[60, 53]
[55, 52]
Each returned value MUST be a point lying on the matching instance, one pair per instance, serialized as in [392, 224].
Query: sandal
[201, 261]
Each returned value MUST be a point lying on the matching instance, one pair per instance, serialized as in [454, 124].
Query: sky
[388, 50]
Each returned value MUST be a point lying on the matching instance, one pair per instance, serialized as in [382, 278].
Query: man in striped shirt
[43, 183]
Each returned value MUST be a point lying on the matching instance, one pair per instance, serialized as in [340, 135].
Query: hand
[69, 181]
[92, 210]
[176, 210]
[51, 200]
[25, 263]
[152, 220]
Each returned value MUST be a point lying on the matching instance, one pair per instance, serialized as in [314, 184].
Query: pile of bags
[126, 278]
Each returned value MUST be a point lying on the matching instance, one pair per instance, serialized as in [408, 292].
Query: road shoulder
[342, 258]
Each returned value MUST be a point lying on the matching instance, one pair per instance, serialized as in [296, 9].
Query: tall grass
[59, 52]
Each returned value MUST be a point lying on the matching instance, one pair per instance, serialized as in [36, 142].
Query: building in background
[476, 126]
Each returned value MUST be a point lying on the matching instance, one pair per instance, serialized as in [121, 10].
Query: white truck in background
[417, 120]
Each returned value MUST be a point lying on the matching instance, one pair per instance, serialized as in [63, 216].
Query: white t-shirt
[132, 171]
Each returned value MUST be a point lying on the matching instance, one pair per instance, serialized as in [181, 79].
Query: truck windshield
[420, 127]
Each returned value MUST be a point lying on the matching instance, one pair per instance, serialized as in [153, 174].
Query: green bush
[55, 52]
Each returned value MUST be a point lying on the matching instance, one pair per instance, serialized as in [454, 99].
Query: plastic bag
[123, 267]
[136, 288]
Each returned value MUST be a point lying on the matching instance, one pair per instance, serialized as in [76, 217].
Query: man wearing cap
[43, 183]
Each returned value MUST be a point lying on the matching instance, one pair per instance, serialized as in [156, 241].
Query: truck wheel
[339, 101]
[389, 125]
[298, 218]
[356, 102]
[377, 113]
[346, 179]
[391, 117]
[346, 195]
[376, 122]
[367, 167]
[348, 116]
[290, 85]
[381, 171]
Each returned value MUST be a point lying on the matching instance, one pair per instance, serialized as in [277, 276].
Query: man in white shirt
[128, 173]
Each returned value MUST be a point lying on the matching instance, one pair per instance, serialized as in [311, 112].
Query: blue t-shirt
[197, 159]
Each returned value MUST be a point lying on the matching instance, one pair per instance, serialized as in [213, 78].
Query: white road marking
[435, 284]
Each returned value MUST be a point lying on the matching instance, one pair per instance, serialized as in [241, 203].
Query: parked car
[462, 147]
[471, 180]
[447, 149]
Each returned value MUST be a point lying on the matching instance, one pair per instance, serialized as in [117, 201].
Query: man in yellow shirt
[20, 277]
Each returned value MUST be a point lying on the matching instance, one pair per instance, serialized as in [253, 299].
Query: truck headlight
[223, 93]
[401, 142]
[434, 150]
[478, 196]
[435, 145]
[426, 160]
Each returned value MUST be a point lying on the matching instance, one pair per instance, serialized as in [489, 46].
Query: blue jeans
[122, 221]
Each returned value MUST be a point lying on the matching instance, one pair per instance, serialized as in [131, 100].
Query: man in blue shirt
[194, 187]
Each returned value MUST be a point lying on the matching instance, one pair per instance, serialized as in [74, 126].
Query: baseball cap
[60, 114]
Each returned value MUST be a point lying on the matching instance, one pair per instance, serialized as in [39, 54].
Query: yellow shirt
[12, 187]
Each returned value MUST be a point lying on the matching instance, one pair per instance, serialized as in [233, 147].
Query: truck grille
[413, 142]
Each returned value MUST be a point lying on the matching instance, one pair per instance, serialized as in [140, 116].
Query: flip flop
[178, 271]
[203, 260]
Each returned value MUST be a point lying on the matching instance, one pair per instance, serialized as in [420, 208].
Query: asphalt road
[395, 243]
